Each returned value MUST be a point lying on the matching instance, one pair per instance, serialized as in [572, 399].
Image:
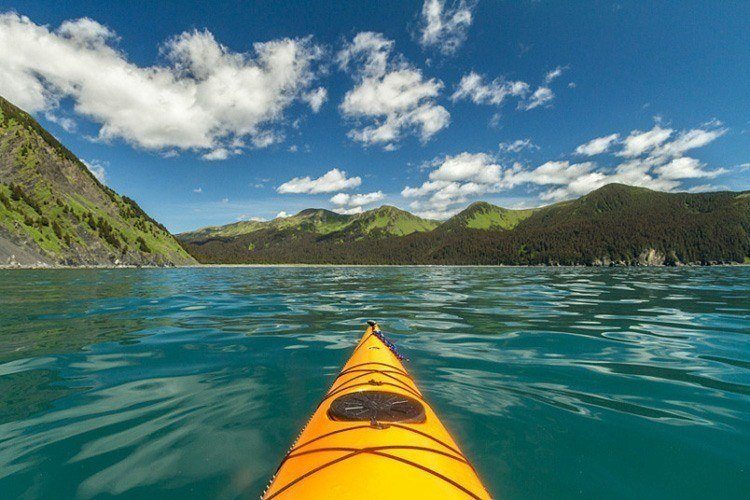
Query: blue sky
[426, 106]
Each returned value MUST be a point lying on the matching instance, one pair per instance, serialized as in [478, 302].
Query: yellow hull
[374, 437]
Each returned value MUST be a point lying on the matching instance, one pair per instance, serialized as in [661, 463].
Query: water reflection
[192, 382]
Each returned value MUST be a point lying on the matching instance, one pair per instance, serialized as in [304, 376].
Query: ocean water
[192, 383]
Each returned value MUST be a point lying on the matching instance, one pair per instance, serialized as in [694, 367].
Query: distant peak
[481, 204]
[387, 209]
[322, 212]
[614, 187]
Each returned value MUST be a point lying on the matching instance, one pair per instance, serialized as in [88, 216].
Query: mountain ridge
[615, 224]
[383, 221]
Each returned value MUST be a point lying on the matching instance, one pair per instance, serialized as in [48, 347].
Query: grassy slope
[482, 215]
[379, 222]
[390, 221]
[51, 203]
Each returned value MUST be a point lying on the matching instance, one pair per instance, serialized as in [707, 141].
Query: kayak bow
[374, 437]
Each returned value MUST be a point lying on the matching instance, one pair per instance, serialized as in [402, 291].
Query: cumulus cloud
[453, 180]
[198, 190]
[390, 94]
[445, 28]
[282, 215]
[653, 161]
[597, 146]
[204, 97]
[353, 203]
[517, 146]
[96, 167]
[333, 180]
[357, 200]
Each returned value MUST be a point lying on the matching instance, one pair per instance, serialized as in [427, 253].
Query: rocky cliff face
[53, 211]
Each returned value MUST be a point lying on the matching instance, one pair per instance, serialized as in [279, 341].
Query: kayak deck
[373, 436]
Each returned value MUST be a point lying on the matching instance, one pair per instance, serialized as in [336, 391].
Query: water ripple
[191, 383]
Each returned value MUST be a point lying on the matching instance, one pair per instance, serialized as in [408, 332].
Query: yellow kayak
[373, 436]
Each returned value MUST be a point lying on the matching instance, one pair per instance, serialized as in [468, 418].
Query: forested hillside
[53, 211]
[615, 225]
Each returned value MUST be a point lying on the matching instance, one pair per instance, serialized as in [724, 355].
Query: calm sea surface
[192, 383]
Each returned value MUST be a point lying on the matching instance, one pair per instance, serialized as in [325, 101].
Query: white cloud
[552, 75]
[96, 167]
[653, 161]
[198, 190]
[597, 146]
[475, 167]
[551, 172]
[686, 168]
[472, 86]
[348, 211]
[454, 180]
[333, 180]
[389, 93]
[225, 200]
[434, 214]
[247, 217]
[744, 166]
[216, 154]
[205, 96]
[264, 139]
[445, 28]
[705, 188]
[517, 146]
[67, 124]
[316, 98]
[282, 215]
[691, 139]
[356, 200]
[639, 142]
[347, 204]
[541, 96]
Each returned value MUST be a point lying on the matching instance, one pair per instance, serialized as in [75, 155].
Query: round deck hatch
[376, 406]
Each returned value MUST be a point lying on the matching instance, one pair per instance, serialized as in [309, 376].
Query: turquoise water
[192, 383]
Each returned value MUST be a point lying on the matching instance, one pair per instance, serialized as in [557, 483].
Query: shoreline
[301, 265]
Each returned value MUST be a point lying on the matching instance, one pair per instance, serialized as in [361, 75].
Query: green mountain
[614, 225]
[53, 211]
[382, 222]
[483, 215]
